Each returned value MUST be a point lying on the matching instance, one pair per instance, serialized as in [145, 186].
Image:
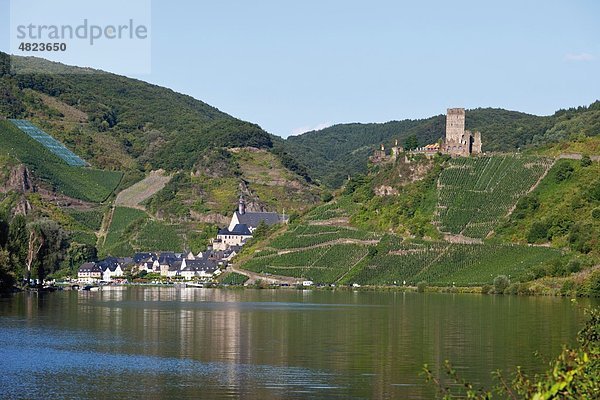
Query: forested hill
[116, 122]
[334, 153]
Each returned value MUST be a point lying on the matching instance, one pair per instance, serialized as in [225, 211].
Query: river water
[167, 343]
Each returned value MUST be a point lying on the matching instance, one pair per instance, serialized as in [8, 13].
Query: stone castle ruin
[459, 142]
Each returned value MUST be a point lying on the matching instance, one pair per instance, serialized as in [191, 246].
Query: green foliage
[315, 252]
[475, 193]
[421, 287]
[501, 283]
[81, 183]
[594, 284]
[233, 278]
[562, 171]
[586, 161]
[526, 206]
[565, 214]
[410, 211]
[411, 142]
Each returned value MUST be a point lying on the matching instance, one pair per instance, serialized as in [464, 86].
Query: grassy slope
[82, 183]
[561, 205]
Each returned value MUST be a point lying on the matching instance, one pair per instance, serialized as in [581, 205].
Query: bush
[594, 284]
[421, 286]
[581, 237]
[501, 282]
[569, 287]
[586, 161]
[538, 232]
[326, 197]
[596, 213]
[563, 172]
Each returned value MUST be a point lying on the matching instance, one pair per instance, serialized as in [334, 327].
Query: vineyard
[343, 207]
[326, 258]
[442, 263]
[321, 264]
[123, 223]
[155, 235]
[314, 235]
[81, 183]
[475, 193]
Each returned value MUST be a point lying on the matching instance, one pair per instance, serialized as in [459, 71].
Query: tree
[563, 172]
[47, 246]
[586, 161]
[411, 142]
[17, 245]
[501, 282]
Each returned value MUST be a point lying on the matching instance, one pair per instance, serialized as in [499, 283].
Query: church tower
[242, 205]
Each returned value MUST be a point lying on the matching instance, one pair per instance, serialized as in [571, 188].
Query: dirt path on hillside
[106, 222]
[330, 243]
[133, 196]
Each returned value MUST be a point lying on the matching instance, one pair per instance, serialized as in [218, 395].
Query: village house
[89, 273]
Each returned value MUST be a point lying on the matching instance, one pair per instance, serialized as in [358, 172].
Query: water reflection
[190, 343]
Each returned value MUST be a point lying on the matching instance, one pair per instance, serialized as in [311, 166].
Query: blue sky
[292, 66]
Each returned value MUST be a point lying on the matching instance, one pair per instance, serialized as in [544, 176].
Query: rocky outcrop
[19, 180]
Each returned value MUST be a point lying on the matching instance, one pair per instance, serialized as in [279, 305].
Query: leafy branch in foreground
[575, 374]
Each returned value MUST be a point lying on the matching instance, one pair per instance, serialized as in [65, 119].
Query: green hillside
[330, 254]
[382, 228]
[563, 211]
[334, 153]
[81, 183]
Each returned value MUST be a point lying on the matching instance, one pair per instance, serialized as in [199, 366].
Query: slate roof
[201, 265]
[143, 257]
[167, 258]
[253, 219]
[238, 230]
[89, 267]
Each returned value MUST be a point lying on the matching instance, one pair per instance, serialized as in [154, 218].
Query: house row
[189, 266]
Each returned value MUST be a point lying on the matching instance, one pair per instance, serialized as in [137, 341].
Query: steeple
[242, 205]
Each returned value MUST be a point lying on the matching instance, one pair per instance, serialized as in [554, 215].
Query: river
[167, 343]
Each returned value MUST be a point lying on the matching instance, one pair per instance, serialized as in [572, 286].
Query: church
[243, 224]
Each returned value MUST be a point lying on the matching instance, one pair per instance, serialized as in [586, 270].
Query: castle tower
[242, 205]
[455, 125]
[476, 149]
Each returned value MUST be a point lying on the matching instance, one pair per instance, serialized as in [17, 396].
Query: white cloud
[304, 129]
[579, 57]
